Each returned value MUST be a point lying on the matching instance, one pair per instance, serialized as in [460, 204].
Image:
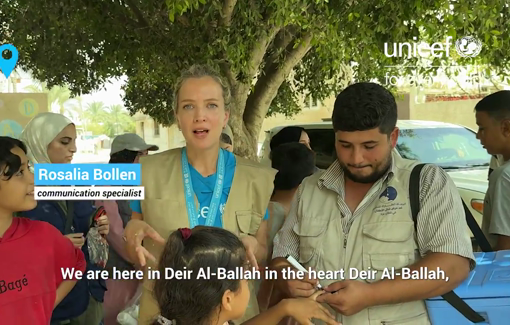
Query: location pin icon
[7, 65]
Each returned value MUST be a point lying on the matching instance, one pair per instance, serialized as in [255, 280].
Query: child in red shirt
[33, 254]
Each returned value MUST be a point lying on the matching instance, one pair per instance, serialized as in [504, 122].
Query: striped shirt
[441, 227]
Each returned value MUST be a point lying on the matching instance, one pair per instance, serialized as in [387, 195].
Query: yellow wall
[457, 112]
[325, 111]
[309, 114]
[17, 109]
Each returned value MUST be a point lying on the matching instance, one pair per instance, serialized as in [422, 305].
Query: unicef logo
[468, 46]
[389, 194]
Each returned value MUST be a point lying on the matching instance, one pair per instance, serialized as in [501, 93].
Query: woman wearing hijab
[51, 138]
[200, 184]
[290, 134]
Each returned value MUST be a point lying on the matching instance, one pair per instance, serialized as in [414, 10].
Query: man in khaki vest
[355, 218]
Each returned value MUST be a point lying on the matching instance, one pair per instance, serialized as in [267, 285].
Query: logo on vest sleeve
[389, 194]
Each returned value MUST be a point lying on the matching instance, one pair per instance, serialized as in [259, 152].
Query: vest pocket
[409, 313]
[420, 319]
[310, 236]
[387, 247]
[248, 221]
[165, 216]
[160, 214]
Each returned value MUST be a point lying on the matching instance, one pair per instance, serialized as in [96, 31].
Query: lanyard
[190, 194]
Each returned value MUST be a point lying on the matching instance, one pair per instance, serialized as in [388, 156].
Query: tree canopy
[257, 45]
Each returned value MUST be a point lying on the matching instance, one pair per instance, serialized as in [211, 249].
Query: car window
[322, 142]
[446, 147]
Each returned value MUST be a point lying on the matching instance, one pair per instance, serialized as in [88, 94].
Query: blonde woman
[200, 184]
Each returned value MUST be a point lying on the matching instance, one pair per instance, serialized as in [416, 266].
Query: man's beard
[379, 171]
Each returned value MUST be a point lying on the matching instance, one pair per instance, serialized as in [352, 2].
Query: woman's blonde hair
[200, 71]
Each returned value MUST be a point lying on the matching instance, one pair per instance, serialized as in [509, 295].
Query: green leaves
[179, 7]
[152, 41]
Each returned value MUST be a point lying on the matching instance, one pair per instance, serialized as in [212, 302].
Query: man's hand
[297, 288]
[347, 297]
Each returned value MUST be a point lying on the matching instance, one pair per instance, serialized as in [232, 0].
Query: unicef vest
[164, 209]
[380, 239]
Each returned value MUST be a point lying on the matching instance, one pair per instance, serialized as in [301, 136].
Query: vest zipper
[346, 234]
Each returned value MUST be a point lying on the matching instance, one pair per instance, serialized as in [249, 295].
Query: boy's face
[493, 134]
[17, 193]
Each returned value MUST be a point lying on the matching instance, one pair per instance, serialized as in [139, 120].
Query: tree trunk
[244, 144]
[249, 108]
[257, 103]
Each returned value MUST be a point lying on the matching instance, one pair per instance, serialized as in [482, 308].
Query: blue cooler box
[486, 291]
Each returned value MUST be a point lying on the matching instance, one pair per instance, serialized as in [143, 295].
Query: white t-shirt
[496, 219]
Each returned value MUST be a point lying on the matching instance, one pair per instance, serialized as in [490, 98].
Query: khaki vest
[164, 209]
[382, 237]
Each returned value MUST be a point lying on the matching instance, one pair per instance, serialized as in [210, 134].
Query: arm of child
[261, 236]
[301, 309]
[63, 290]
[66, 257]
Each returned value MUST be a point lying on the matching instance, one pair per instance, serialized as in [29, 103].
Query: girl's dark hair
[286, 135]
[10, 163]
[194, 300]
[123, 157]
[294, 161]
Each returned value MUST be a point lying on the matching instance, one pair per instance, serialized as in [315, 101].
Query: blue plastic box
[486, 291]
